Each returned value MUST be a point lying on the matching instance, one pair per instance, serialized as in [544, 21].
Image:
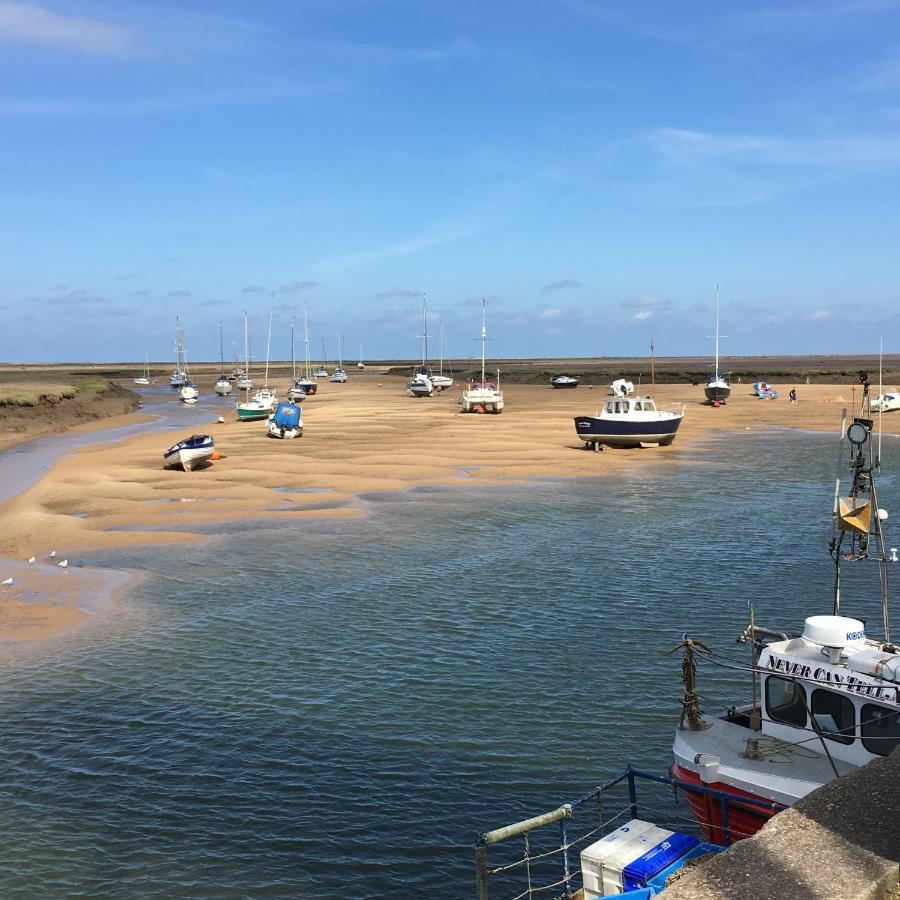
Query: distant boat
[223, 385]
[564, 381]
[262, 403]
[483, 395]
[421, 384]
[339, 376]
[886, 402]
[188, 392]
[441, 381]
[718, 386]
[308, 379]
[178, 378]
[296, 391]
[190, 452]
[285, 422]
[145, 378]
[360, 365]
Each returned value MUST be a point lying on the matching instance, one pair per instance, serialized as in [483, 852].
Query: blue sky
[593, 168]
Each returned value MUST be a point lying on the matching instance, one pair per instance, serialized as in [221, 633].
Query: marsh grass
[31, 393]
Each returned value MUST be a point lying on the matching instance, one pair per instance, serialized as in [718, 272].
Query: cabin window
[638, 407]
[785, 701]
[834, 715]
[618, 407]
[880, 729]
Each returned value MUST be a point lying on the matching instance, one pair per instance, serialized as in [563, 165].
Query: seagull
[8, 581]
[52, 554]
[63, 564]
[29, 561]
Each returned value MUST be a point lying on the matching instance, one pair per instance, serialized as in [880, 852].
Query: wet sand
[359, 437]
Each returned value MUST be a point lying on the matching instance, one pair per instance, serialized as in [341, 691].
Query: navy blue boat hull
[620, 433]
[717, 394]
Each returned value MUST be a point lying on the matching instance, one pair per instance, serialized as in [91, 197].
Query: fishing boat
[563, 382]
[483, 395]
[191, 452]
[178, 378]
[718, 385]
[421, 385]
[441, 381]
[144, 379]
[297, 391]
[822, 701]
[339, 376]
[261, 404]
[285, 422]
[223, 385]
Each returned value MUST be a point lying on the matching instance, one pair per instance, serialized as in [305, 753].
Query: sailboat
[339, 376]
[360, 365]
[441, 381]
[188, 392]
[322, 371]
[483, 395]
[262, 403]
[296, 392]
[244, 381]
[145, 377]
[421, 384]
[308, 380]
[223, 385]
[178, 378]
[718, 387]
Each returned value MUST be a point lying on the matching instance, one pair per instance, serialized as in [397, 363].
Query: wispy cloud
[821, 314]
[295, 287]
[642, 316]
[564, 284]
[647, 302]
[32, 25]
[398, 293]
[179, 295]
[550, 313]
[254, 289]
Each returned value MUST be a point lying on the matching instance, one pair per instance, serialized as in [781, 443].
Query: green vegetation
[25, 392]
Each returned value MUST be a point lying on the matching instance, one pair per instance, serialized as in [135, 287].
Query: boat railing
[547, 864]
[674, 408]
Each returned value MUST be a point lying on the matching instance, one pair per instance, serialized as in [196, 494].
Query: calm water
[333, 709]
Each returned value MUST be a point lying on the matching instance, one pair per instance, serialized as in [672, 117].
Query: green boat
[261, 405]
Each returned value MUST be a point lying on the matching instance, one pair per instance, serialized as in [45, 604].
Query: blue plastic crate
[658, 881]
[637, 874]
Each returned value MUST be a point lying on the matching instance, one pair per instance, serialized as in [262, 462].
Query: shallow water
[333, 708]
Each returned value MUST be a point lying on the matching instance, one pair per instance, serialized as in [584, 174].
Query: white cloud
[821, 314]
[642, 316]
[647, 301]
[32, 25]
[549, 313]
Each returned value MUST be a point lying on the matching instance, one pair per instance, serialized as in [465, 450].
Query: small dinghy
[191, 452]
[564, 381]
[285, 422]
[764, 391]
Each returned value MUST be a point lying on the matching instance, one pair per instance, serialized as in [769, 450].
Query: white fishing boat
[144, 379]
[823, 701]
[483, 395]
[222, 385]
[191, 452]
[421, 384]
[339, 376]
[179, 377]
[718, 385]
[629, 422]
[261, 404]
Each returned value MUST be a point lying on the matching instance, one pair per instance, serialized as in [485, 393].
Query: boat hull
[223, 388]
[471, 404]
[274, 431]
[142, 381]
[441, 382]
[189, 457]
[564, 385]
[620, 433]
[744, 819]
[716, 393]
[252, 413]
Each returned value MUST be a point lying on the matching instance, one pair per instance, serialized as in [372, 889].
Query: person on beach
[793, 395]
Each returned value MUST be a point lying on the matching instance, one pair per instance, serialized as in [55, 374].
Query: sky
[593, 168]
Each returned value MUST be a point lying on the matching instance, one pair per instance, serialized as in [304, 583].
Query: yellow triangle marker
[854, 514]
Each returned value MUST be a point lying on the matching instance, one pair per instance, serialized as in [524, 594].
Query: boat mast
[340, 352]
[652, 370]
[424, 336]
[483, 335]
[221, 352]
[293, 362]
[717, 332]
[246, 352]
[306, 339]
[441, 365]
[268, 348]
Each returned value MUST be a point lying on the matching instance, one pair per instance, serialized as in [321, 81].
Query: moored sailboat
[421, 384]
[441, 381]
[718, 385]
[263, 401]
[144, 378]
[483, 395]
[339, 376]
[178, 378]
[222, 385]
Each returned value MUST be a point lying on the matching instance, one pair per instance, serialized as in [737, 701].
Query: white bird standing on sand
[52, 554]
[63, 564]
[8, 581]
[29, 561]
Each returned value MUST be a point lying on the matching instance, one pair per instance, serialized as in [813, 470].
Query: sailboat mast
[652, 370]
[441, 365]
[424, 333]
[268, 348]
[306, 339]
[293, 362]
[483, 335]
[717, 331]
[221, 350]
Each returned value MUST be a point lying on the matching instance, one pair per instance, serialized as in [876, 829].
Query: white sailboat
[261, 404]
[178, 378]
[339, 376]
[297, 391]
[322, 371]
[188, 392]
[718, 387]
[360, 365]
[441, 381]
[421, 384]
[223, 385]
[145, 377]
[244, 381]
[483, 395]
[308, 381]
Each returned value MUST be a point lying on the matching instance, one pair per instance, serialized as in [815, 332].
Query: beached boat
[764, 391]
[563, 381]
[223, 385]
[144, 379]
[441, 381]
[261, 404]
[421, 385]
[886, 402]
[191, 452]
[179, 377]
[629, 422]
[189, 393]
[339, 376]
[718, 385]
[822, 702]
[307, 380]
[360, 365]
[285, 422]
[297, 391]
[483, 395]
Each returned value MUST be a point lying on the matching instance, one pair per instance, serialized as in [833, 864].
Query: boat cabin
[834, 686]
[625, 406]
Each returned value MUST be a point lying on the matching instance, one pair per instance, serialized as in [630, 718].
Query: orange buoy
[716, 404]
[216, 455]
[479, 410]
